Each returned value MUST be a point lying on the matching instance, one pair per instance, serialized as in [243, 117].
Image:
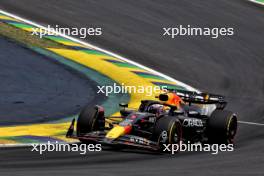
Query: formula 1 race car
[176, 116]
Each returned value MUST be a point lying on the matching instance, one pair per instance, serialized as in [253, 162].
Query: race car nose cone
[116, 132]
[108, 140]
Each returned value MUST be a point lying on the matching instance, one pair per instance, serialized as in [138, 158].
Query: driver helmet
[156, 109]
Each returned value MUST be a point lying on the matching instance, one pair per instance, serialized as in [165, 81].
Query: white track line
[14, 145]
[256, 2]
[251, 123]
[32, 144]
[103, 50]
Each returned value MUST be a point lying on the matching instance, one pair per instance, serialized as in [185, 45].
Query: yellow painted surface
[3, 17]
[96, 62]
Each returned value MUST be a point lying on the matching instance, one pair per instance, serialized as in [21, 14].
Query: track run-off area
[115, 67]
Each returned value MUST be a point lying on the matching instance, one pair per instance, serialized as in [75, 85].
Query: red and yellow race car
[177, 116]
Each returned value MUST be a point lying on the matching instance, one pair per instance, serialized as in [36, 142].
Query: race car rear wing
[200, 98]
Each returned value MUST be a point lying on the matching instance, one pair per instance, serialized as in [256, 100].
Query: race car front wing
[125, 140]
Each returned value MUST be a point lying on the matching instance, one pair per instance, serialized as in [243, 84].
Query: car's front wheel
[90, 119]
[168, 130]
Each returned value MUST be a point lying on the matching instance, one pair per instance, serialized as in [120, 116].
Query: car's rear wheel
[222, 127]
[90, 119]
[168, 130]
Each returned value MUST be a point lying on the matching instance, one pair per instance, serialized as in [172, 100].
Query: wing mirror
[193, 113]
[163, 97]
[123, 105]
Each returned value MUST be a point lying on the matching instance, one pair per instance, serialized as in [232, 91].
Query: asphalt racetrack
[232, 66]
[34, 88]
